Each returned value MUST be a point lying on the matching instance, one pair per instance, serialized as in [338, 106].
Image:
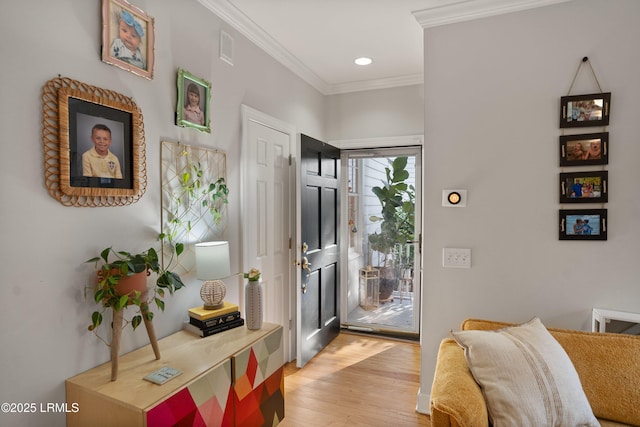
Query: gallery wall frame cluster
[93, 138]
[579, 152]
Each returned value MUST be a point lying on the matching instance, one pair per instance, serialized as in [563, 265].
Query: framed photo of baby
[194, 95]
[585, 149]
[127, 37]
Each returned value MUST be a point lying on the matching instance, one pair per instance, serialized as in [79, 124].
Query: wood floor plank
[357, 380]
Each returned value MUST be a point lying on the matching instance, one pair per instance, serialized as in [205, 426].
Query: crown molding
[245, 26]
[467, 10]
[413, 79]
[455, 11]
[238, 20]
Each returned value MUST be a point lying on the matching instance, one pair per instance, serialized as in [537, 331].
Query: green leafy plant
[113, 266]
[211, 195]
[253, 275]
[397, 199]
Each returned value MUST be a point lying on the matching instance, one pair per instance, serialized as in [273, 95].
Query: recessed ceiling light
[363, 61]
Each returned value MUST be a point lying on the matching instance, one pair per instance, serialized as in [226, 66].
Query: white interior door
[267, 212]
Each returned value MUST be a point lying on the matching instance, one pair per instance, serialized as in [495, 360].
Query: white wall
[379, 113]
[492, 91]
[42, 310]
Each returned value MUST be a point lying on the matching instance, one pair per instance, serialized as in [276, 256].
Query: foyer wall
[44, 316]
[378, 113]
[492, 90]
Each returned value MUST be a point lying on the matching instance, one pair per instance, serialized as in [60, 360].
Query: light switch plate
[456, 258]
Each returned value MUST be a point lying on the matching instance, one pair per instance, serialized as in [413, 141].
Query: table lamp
[212, 264]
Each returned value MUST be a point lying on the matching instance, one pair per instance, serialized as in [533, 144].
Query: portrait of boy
[99, 145]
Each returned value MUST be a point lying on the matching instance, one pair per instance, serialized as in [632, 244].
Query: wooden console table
[234, 378]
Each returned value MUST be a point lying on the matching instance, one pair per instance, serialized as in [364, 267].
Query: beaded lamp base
[212, 293]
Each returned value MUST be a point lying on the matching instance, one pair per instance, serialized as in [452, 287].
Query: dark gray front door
[320, 290]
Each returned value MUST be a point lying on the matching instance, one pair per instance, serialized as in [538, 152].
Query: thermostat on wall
[454, 198]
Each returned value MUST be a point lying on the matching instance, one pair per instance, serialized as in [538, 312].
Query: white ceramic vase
[254, 303]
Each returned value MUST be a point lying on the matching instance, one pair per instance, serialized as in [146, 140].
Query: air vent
[226, 47]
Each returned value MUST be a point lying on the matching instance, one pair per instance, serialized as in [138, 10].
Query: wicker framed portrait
[583, 224]
[127, 37]
[194, 96]
[585, 110]
[94, 145]
[584, 150]
[584, 187]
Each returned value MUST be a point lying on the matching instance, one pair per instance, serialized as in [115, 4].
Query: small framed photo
[585, 110]
[584, 187]
[584, 150]
[583, 224]
[127, 37]
[194, 95]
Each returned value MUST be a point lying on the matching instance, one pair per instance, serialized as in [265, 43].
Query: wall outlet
[456, 258]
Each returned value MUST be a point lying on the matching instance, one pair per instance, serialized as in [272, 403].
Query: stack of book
[204, 322]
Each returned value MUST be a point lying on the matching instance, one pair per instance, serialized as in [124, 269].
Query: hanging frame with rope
[585, 110]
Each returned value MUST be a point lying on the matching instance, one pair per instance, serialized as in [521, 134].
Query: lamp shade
[212, 260]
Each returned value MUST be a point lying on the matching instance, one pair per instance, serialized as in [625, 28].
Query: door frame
[364, 144]
[287, 320]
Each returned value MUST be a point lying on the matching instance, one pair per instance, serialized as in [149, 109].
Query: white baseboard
[422, 404]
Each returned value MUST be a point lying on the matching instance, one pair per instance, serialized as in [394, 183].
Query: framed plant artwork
[584, 187]
[94, 145]
[194, 95]
[584, 150]
[585, 110]
[583, 224]
[127, 37]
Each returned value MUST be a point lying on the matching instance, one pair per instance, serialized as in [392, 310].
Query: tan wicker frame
[55, 140]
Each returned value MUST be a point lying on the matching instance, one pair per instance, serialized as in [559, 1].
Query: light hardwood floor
[357, 380]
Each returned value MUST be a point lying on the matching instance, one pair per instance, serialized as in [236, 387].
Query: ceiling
[320, 39]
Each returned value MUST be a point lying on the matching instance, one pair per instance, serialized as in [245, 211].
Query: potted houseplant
[109, 292]
[397, 200]
[122, 281]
